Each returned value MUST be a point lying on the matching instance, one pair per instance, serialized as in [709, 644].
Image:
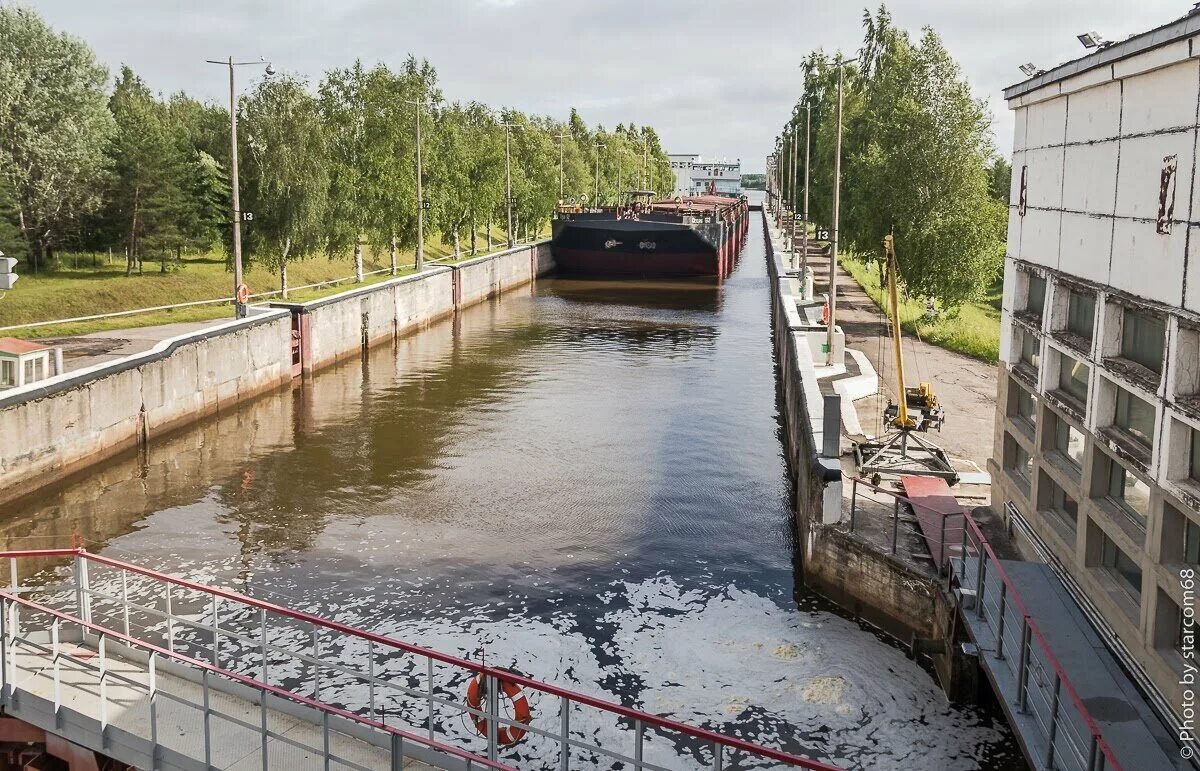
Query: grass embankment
[974, 330]
[87, 285]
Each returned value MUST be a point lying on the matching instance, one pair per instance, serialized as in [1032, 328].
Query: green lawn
[87, 285]
[974, 330]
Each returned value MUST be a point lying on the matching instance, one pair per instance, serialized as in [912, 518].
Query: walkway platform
[168, 674]
[1069, 702]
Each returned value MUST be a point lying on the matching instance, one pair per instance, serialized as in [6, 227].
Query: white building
[23, 362]
[696, 176]
[1097, 447]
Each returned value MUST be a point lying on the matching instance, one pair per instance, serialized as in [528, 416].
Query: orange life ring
[506, 735]
[825, 314]
[243, 293]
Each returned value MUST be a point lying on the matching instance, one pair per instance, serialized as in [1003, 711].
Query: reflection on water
[584, 478]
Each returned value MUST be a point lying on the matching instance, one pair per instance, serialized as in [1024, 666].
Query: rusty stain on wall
[1021, 198]
[1166, 194]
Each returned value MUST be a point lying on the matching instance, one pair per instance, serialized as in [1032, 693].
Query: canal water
[582, 480]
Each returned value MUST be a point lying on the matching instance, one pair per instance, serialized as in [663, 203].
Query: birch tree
[289, 181]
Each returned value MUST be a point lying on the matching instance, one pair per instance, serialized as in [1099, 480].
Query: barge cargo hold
[691, 236]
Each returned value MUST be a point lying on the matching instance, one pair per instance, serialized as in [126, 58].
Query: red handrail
[1012, 595]
[503, 674]
[253, 683]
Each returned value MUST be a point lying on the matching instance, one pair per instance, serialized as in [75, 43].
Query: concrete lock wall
[71, 421]
[850, 572]
[62, 424]
[347, 323]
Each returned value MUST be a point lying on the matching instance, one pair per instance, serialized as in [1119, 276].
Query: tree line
[326, 167]
[917, 160]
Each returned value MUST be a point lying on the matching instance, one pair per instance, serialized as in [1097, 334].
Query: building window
[1135, 416]
[1068, 442]
[1124, 489]
[1122, 566]
[1029, 349]
[1081, 314]
[1142, 339]
[1058, 501]
[1194, 461]
[8, 373]
[1073, 379]
[1017, 460]
[1035, 301]
[1026, 405]
[1191, 541]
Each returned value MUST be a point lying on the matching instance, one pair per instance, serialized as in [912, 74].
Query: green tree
[917, 160]
[148, 202]
[289, 176]
[54, 128]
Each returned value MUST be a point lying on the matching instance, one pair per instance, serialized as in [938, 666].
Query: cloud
[714, 78]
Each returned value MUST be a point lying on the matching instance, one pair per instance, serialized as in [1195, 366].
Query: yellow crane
[921, 400]
[901, 450]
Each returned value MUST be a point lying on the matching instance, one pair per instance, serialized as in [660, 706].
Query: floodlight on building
[1091, 40]
[1030, 69]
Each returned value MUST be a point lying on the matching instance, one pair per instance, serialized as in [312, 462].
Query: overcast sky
[714, 77]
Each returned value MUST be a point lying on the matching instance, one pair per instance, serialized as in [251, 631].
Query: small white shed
[23, 362]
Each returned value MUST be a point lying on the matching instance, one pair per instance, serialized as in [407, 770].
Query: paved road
[88, 350]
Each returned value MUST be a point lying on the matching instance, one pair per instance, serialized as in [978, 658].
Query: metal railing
[414, 694]
[950, 525]
[1044, 692]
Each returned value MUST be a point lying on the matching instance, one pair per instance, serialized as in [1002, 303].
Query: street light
[240, 291]
[561, 142]
[599, 146]
[418, 104]
[508, 199]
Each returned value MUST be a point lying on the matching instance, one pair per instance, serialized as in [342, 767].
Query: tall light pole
[239, 306]
[599, 147]
[807, 148]
[792, 197]
[645, 179]
[418, 104]
[562, 139]
[837, 202]
[508, 199]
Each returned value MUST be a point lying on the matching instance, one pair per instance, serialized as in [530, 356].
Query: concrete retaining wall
[60, 425]
[852, 573]
[74, 420]
[347, 323]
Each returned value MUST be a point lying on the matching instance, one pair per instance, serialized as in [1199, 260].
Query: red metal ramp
[939, 514]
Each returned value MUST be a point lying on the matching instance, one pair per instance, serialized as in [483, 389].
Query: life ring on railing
[506, 735]
[825, 314]
[243, 294]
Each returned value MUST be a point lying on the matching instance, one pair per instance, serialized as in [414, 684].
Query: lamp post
[837, 201]
[792, 197]
[599, 147]
[418, 104]
[239, 292]
[562, 138]
[807, 148]
[508, 199]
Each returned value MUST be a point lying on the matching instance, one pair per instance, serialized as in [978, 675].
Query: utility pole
[239, 291]
[599, 147]
[420, 192]
[562, 138]
[793, 197]
[508, 181]
[837, 202]
[807, 148]
[645, 179]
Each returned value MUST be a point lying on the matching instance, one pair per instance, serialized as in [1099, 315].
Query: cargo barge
[687, 236]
